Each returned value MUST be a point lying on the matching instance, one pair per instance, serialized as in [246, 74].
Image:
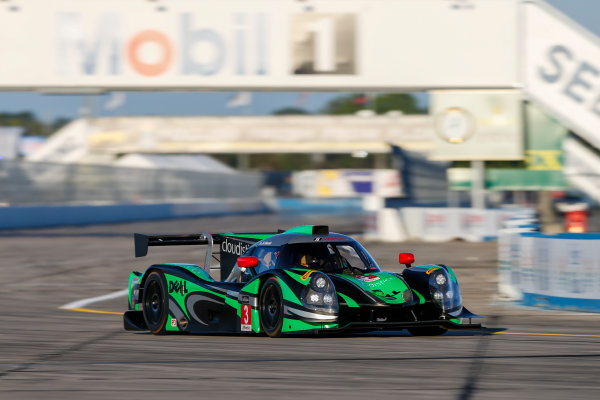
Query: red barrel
[576, 221]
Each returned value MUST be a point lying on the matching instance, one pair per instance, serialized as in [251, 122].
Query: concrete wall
[19, 217]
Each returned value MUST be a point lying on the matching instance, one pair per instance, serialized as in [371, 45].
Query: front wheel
[156, 303]
[271, 308]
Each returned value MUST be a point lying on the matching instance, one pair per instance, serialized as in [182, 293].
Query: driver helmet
[310, 261]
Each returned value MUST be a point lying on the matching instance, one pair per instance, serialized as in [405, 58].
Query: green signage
[542, 168]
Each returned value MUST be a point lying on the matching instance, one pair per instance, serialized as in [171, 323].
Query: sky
[49, 107]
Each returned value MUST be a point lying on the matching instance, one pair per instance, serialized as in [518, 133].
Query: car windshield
[348, 258]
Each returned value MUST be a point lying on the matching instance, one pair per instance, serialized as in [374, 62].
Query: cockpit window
[350, 257]
[330, 257]
[267, 257]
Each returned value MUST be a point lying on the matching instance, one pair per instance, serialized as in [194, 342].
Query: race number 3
[246, 318]
[324, 44]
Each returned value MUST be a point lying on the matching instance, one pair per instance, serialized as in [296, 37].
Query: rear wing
[143, 241]
[231, 245]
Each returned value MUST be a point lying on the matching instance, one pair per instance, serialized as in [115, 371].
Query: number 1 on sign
[324, 44]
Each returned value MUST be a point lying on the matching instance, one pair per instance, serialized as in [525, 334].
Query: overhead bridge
[361, 46]
[85, 138]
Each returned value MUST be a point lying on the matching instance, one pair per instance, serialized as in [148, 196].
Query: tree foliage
[291, 111]
[380, 104]
[398, 102]
[32, 125]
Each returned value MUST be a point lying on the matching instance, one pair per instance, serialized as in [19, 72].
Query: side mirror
[247, 262]
[406, 258]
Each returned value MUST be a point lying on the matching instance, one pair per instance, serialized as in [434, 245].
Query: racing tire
[428, 331]
[271, 308]
[155, 304]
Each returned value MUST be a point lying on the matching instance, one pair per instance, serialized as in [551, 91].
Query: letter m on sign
[81, 50]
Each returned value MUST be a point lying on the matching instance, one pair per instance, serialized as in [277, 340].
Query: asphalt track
[52, 353]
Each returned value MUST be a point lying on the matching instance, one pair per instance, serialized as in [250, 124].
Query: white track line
[85, 302]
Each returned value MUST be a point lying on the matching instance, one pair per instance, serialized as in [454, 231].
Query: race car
[302, 280]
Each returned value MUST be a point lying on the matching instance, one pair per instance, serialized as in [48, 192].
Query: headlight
[440, 279]
[320, 293]
[445, 293]
[320, 282]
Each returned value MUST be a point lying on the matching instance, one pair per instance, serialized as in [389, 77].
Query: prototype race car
[303, 280]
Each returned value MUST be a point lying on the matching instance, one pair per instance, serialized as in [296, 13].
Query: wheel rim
[154, 303]
[271, 308]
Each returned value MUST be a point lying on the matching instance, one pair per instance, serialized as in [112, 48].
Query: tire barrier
[438, 224]
[559, 271]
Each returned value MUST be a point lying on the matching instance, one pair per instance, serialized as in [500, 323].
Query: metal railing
[29, 183]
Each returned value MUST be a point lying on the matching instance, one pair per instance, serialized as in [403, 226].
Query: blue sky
[49, 107]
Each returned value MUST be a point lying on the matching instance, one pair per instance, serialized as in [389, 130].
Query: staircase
[582, 167]
[561, 71]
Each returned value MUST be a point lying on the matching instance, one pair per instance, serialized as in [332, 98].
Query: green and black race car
[303, 280]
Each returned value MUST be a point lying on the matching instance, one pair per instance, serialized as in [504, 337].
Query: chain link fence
[28, 183]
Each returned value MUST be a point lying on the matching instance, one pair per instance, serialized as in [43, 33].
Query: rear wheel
[156, 303]
[271, 308]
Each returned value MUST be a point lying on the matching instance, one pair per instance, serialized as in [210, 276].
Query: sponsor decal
[240, 46]
[135, 293]
[178, 287]
[173, 322]
[435, 219]
[246, 318]
[377, 283]
[135, 290]
[387, 296]
[368, 278]
[265, 243]
[307, 274]
[230, 247]
[430, 270]
[332, 239]
[317, 239]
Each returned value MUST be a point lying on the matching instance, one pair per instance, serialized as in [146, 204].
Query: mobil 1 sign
[386, 45]
[562, 69]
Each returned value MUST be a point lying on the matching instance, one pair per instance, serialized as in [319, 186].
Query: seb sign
[562, 64]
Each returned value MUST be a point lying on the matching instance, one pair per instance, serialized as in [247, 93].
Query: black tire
[428, 331]
[156, 303]
[271, 308]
